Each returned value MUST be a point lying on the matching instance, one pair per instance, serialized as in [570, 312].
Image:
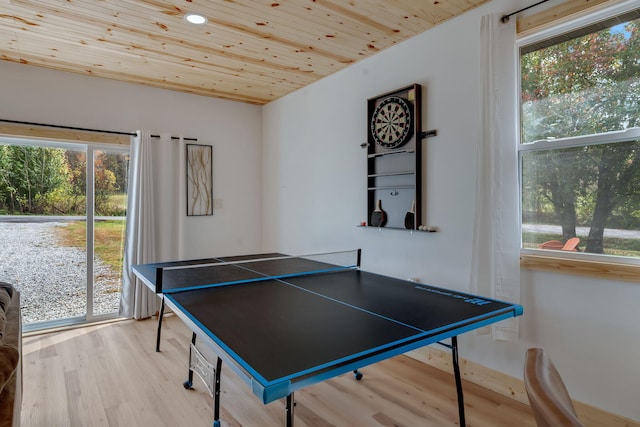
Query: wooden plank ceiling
[251, 51]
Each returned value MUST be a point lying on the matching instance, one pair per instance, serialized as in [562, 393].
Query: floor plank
[110, 375]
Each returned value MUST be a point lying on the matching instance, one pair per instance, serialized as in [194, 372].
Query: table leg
[289, 408]
[160, 315]
[216, 395]
[188, 384]
[456, 373]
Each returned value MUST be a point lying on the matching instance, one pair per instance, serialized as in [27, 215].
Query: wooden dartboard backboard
[394, 154]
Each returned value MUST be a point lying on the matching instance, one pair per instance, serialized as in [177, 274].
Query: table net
[218, 272]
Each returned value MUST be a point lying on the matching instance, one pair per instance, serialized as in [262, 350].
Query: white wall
[234, 130]
[314, 191]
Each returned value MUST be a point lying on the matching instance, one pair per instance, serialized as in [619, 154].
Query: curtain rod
[505, 18]
[112, 132]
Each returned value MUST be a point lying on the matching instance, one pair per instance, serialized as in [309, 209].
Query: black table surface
[279, 330]
[310, 327]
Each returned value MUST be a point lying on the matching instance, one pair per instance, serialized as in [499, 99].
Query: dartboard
[391, 122]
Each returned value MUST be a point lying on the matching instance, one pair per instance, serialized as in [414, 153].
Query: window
[579, 145]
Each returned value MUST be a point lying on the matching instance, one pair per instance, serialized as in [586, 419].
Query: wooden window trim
[566, 10]
[581, 267]
[55, 134]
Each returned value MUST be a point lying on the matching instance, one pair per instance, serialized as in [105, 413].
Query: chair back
[571, 244]
[550, 401]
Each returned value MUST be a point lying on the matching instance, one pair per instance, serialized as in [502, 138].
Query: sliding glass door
[110, 174]
[62, 224]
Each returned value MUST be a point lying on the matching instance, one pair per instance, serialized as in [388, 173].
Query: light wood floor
[110, 375]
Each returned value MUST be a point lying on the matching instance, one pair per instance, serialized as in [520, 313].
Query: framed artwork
[199, 180]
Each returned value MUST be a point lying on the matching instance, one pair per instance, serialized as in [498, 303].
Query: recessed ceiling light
[195, 18]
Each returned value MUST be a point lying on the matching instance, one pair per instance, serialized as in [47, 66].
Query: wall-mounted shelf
[375, 175]
[391, 153]
[391, 187]
[428, 230]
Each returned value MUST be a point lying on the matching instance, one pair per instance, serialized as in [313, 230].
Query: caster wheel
[358, 375]
[188, 385]
[216, 423]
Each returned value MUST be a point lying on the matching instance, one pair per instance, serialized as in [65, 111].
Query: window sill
[581, 267]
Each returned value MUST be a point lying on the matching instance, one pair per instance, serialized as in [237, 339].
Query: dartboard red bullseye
[391, 122]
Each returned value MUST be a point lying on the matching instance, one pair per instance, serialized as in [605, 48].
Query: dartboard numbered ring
[392, 122]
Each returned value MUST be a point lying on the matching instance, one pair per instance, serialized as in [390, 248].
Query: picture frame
[199, 171]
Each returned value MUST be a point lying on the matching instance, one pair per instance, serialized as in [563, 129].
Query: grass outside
[108, 241]
[120, 200]
[116, 205]
[612, 246]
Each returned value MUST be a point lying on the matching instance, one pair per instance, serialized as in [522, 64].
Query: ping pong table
[285, 322]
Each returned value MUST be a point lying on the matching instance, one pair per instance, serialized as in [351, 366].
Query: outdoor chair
[570, 245]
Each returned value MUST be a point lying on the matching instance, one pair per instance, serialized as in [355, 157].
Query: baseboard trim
[512, 387]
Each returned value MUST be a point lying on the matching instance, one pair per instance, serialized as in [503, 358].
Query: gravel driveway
[51, 279]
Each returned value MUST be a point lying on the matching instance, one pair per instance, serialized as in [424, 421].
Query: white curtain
[495, 269]
[180, 195]
[153, 219]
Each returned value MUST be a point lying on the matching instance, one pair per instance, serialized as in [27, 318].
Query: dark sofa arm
[10, 357]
